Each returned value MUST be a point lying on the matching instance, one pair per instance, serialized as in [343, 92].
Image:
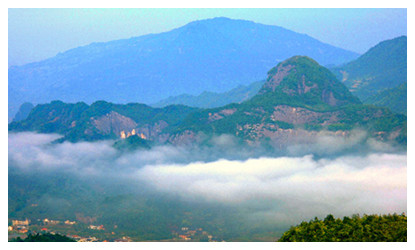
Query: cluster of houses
[123, 239]
[83, 239]
[93, 227]
[187, 234]
[21, 226]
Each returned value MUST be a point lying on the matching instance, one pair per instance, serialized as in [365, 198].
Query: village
[96, 233]
[193, 234]
[20, 228]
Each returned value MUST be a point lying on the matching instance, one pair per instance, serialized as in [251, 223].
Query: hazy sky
[36, 34]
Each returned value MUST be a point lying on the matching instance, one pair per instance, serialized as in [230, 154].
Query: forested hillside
[373, 228]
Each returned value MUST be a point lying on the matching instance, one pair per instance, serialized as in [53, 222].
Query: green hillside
[369, 228]
[298, 94]
[395, 99]
[383, 66]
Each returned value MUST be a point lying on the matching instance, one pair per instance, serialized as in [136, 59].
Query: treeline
[369, 228]
[47, 237]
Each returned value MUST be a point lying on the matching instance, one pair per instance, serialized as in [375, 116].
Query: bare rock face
[276, 79]
[298, 115]
[113, 122]
[184, 138]
[221, 114]
[154, 131]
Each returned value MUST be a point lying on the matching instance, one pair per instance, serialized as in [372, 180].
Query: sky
[37, 34]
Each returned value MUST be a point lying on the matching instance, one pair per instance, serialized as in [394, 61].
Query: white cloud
[292, 185]
[276, 189]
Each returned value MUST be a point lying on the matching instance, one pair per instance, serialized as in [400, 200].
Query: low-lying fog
[287, 187]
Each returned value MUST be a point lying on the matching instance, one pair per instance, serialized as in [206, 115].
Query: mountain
[209, 55]
[23, 112]
[395, 99]
[298, 99]
[213, 100]
[302, 81]
[101, 120]
[383, 66]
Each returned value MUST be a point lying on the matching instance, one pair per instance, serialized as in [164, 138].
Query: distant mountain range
[213, 100]
[377, 77]
[298, 99]
[213, 55]
[382, 67]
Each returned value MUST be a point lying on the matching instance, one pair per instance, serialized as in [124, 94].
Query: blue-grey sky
[36, 34]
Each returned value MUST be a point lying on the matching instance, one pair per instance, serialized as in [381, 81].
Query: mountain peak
[302, 78]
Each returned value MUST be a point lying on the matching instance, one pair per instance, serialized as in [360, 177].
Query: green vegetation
[395, 99]
[308, 72]
[55, 117]
[47, 237]
[308, 85]
[383, 66]
[74, 121]
[372, 228]
[132, 143]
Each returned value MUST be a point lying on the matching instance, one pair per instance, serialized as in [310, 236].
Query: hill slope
[383, 66]
[209, 55]
[395, 99]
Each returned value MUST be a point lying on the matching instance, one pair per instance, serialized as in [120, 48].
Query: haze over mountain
[212, 99]
[298, 99]
[374, 77]
[23, 112]
[209, 55]
[382, 67]
[242, 172]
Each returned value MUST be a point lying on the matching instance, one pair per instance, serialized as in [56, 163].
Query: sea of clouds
[284, 188]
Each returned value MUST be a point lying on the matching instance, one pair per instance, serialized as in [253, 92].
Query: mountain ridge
[280, 115]
[145, 69]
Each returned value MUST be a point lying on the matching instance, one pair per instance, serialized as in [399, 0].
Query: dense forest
[47, 237]
[369, 228]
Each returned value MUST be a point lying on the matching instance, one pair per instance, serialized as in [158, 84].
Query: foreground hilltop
[298, 99]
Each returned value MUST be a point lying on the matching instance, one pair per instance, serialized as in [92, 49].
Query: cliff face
[113, 123]
[299, 115]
